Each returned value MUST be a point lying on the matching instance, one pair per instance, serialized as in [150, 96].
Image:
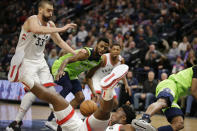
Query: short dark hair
[42, 2]
[103, 39]
[130, 113]
[115, 44]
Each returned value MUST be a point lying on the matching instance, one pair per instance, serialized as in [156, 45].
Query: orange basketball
[88, 107]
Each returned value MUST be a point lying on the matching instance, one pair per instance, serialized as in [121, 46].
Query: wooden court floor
[36, 112]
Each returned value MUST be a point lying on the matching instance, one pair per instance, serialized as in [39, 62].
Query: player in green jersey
[67, 68]
[168, 92]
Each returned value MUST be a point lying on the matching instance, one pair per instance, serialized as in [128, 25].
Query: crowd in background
[158, 37]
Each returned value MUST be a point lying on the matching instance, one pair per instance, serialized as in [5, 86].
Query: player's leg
[46, 79]
[64, 112]
[27, 69]
[77, 91]
[175, 117]
[100, 119]
[165, 93]
[67, 86]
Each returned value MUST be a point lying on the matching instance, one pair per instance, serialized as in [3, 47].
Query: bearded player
[29, 61]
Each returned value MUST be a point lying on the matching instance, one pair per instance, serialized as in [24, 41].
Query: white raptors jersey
[115, 127]
[106, 70]
[36, 43]
[30, 46]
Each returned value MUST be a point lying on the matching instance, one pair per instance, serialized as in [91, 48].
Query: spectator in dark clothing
[131, 55]
[6, 60]
[133, 84]
[148, 93]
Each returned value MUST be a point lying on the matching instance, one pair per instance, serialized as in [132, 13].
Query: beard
[46, 19]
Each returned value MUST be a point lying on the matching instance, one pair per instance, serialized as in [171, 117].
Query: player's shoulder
[33, 17]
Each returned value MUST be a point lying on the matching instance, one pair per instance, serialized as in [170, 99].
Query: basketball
[88, 107]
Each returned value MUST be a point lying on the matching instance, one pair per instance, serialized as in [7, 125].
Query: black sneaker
[14, 126]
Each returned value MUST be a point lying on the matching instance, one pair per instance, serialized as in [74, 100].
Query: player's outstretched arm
[60, 42]
[124, 79]
[32, 25]
[81, 55]
[156, 106]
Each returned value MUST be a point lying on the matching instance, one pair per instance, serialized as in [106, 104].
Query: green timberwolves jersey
[184, 79]
[75, 68]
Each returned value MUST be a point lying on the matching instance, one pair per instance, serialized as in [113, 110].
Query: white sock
[107, 94]
[26, 103]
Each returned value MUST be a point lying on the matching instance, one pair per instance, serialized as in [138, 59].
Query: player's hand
[59, 75]
[68, 26]
[95, 96]
[128, 90]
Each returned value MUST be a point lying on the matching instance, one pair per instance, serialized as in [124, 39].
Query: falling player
[29, 61]
[168, 93]
[66, 116]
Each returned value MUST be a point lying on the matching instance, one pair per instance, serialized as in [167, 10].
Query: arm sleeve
[194, 68]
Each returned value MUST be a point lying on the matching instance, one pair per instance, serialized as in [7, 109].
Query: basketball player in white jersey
[109, 61]
[29, 61]
[99, 120]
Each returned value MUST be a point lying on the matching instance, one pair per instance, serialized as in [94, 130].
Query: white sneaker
[51, 124]
[141, 125]
[114, 77]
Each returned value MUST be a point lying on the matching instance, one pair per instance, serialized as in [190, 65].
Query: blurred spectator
[191, 59]
[178, 66]
[183, 45]
[82, 34]
[173, 53]
[52, 57]
[152, 59]
[7, 59]
[131, 55]
[163, 76]
[194, 45]
[133, 84]
[148, 93]
[151, 38]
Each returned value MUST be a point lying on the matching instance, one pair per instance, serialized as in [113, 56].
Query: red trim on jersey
[24, 35]
[49, 84]
[115, 96]
[17, 74]
[13, 68]
[26, 86]
[23, 38]
[119, 127]
[112, 75]
[66, 118]
[88, 125]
